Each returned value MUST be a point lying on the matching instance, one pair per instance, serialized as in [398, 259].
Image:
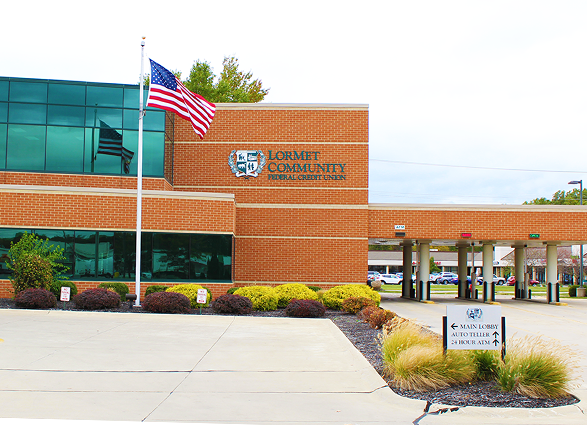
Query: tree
[233, 86]
[560, 197]
[433, 267]
[35, 263]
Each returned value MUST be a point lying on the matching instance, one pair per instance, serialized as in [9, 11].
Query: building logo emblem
[474, 314]
[247, 164]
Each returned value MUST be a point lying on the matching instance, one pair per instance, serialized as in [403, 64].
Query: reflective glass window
[3, 112]
[105, 254]
[66, 115]
[110, 116]
[62, 239]
[211, 257]
[84, 254]
[67, 94]
[33, 92]
[26, 147]
[154, 120]
[3, 128]
[104, 96]
[124, 255]
[131, 97]
[22, 113]
[170, 256]
[65, 149]
[153, 152]
[100, 163]
[146, 255]
[4, 91]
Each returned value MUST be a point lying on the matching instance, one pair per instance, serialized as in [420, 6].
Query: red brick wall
[506, 223]
[95, 210]
[307, 231]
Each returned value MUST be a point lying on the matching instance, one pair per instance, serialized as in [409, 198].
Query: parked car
[445, 278]
[512, 281]
[371, 276]
[389, 279]
[455, 280]
[434, 277]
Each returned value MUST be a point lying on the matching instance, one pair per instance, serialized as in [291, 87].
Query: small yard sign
[202, 296]
[65, 293]
[472, 327]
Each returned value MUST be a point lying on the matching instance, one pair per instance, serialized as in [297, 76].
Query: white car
[389, 279]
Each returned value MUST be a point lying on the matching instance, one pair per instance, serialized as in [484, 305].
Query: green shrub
[120, 288]
[263, 298]
[155, 288]
[573, 290]
[97, 299]
[314, 288]
[190, 290]
[232, 290]
[355, 304]
[379, 317]
[334, 297]
[37, 298]
[56, 288]
[537, 368]
[232, 304]
[487, 363]
[289, 291]
[305, 308]
[31, 271]
[166, 302]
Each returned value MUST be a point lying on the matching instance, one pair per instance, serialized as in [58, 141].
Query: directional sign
[472, 327]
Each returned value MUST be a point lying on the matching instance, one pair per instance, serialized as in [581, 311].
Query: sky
[470, 102]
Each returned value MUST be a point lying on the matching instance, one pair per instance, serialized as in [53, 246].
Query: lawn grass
[537, 291]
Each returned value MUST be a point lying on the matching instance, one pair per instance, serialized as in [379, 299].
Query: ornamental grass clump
[487, 364]
[35, 298]
[414, 360]
[166, 302]
[190, 290]
[537, 368]
[263, 298]
[334, 297]
[290, 291]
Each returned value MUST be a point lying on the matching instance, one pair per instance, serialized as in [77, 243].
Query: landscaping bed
[364, 338]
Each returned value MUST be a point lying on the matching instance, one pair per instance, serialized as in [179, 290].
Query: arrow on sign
[495, 334]
[496, 342]
[454, 326]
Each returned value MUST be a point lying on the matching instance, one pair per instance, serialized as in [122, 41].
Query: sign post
[65, 294]
[467, 327]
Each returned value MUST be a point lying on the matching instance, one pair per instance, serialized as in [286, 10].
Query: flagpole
[139, 183]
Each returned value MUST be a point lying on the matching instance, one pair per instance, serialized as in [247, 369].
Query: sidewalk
[210, 369]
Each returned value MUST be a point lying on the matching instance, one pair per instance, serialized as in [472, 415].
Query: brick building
[274, 193]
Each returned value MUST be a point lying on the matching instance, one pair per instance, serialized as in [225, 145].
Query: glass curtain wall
[77, 127]
[104, 256]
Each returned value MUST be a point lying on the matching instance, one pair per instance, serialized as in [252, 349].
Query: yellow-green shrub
[289, 291]
[334, 297]
[190, 290]
[263, 297]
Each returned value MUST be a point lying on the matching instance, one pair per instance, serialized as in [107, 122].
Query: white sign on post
[473, 327]
[202, 296]
[65, 293]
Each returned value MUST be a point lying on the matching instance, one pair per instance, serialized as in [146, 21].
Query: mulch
[364, 338]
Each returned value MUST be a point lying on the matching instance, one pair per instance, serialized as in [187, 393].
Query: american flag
[110, 143]
[167, 92]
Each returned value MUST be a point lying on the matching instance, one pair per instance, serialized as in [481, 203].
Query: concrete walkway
[211, 370]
